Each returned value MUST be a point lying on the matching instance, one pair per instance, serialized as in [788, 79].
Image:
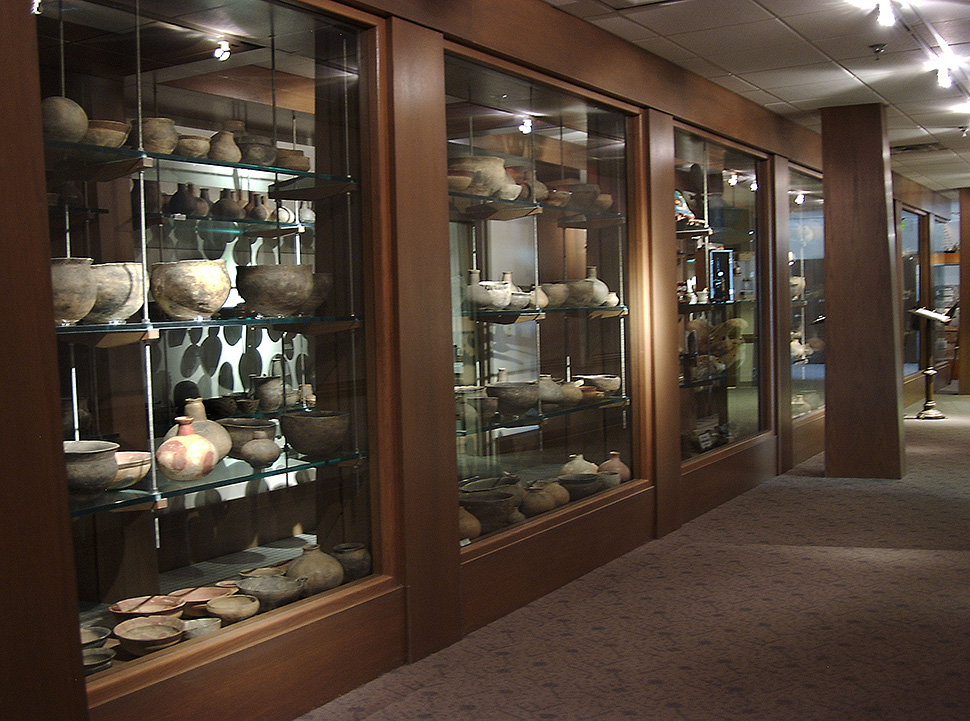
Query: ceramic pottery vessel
[580, 485]
[231, 609]
[132, 467]
[201, 627]
[489, 294]
[487, 174]
[355, 559]
[551, 486]
[244, 430]
[274, 290]
[222, 147]
[292, 159]
[514, 397]
[214, 432]
[492, 508]
[322, 283]
[158, 135]
[604, 382]
[600, 290]
[186, 456]
[550, 391]
[145, 634]
[256, 150]
[609, 479]
[120, 292]
[273, 591]
[63, 119]
[556, 293]
[614, 464]
[192, 146]
[190, 289]
[183, 201]
[227, 207]
[537, 500]
[316, 433]
[74, 289]
[91, 466]
[580, 293]
[67, 416]
[571, 393]
[468, 526]
[261, 451]
[577, 464]
[321, 570]
[268, 390]
[106, 133]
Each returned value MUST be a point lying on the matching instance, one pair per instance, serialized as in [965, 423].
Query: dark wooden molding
[919, 197]
[963, 342]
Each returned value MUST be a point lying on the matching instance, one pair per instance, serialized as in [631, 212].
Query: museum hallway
[804, 598]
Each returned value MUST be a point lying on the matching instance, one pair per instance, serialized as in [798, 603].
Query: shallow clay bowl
[196, 598]
[243, 430]
[262, 571]
[132, 467]
[292, 159]
[148, 606]
[580, 485]
[94, 636]
[146, 634]
[604, 382]
[96, 659]
[233, 608]
[196, 627]
[106, 133]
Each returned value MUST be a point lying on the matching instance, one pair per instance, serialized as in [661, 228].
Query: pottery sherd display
[91, 466]
[63, 119]
[120, 289]
[74, 288]
[190, 289]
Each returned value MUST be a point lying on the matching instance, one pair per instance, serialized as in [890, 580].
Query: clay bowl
[74, 289]
[231, 609]
[196, 598]
[315, 433]
[557, 293]
[322, 283]
[242, 430]
[582, 195]
[147, 606]
[196, 627]
[143, 635]
[275, 290]
[94, 636]
[190, 289]
[292, 159]
[106, 133]
[96, 659]
[273, 591]
[603, 382]
[256, 150]
[580, 485]
[514, 398]
[492, 508]
[63, 119]
[487, 173]
[508, 482]
[608, 479]
[91, 466]
[263, 571]
[120, 292]
[132, 467]
[192, 146]
[158, 135]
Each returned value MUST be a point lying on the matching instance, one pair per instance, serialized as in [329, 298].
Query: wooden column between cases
[863, 370]
[963, 340]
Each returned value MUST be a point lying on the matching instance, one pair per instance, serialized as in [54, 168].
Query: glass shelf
[227, 472]
[94, 162]
[340, 323]
[692, 307]
[505, 317]
[533, 417]
[488, 208]
[247, 227]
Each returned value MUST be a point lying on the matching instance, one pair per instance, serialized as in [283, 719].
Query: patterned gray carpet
[805, 598]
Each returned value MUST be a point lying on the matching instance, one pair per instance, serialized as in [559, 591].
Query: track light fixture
[886, 17]
[222, 51]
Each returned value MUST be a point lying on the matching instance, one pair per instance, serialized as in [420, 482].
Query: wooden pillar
[963, 337]
[863, 370]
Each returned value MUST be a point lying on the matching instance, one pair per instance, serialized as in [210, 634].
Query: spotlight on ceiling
[800, 199]
[222, 51]
[886, 17]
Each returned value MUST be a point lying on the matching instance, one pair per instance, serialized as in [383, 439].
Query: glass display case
[909, 245]
[718, 210]
[806, 263]
[537, 186]
[203, 177]
[945, 277]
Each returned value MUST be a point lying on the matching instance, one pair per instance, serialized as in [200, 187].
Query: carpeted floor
[805, 598]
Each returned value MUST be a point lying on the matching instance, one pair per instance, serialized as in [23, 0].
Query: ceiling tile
[762, 97]
[734, 83]
[769, 58]
[621, 27]
[798, 75]
[692, 15]
[583, 8]
[665, 49]
[704, 68]
[741, 38]
[939, 11]
[841, 21]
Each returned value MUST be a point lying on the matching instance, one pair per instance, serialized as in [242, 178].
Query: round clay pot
[91, 466]
[613, 464]
[214, 432]
[132, 467]
[106, 133]
[120, 292]
[268, 391]
[322, 283]
[158, 135]
[74, 289]
[192, 146]
[292, 160]
[231, 609]
[551, 486]
[256, 150]
[577, 464]
[557, 294]
[190, 289]
[272, 591]
[537, 500]
[468, 526]
[274, 290]
[63, 119]
[243, 430]
[222, 147]
[355, 559]
[492, 508]
[261, 451]
[321, 570]
[227, 207]
[487, 173]
[514, 398]
[315, 433]
[186, 456]
[609, 479]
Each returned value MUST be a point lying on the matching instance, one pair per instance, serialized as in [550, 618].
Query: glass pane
[219, 184]
[909, 234]
[717, 205]
[945, 266]
[538, 252]
[806, 265]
